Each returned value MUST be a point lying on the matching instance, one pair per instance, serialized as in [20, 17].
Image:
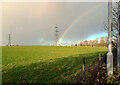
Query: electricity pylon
[56, 34]
[9, 40]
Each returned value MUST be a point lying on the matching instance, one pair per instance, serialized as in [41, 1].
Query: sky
[33, 23]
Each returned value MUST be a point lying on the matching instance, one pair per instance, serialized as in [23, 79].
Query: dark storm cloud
[33, 23]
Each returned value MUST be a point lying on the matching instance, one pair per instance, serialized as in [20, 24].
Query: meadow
[46, 64]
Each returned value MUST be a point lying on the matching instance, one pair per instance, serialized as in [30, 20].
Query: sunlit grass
[45, 64]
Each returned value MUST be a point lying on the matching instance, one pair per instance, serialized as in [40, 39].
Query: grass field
[45, 64]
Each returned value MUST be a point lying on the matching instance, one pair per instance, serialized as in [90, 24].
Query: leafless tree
[114, 24]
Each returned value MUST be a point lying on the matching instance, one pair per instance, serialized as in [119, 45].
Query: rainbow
[77, 19]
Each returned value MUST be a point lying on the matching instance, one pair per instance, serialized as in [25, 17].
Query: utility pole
[56, 34]
[118, 42]
[9, 40]
[110, 54]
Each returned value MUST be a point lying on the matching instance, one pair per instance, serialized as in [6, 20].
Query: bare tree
[91, 42]
[114, 24]
[102, 41]
[85, 43]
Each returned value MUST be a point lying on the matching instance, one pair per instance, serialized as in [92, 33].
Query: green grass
[45, 64]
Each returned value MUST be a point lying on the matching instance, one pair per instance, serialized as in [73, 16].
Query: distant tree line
[103, 41]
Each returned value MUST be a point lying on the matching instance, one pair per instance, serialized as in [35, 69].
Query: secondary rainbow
[77, 19]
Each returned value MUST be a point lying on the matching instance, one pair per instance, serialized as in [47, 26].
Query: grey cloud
[33, 23]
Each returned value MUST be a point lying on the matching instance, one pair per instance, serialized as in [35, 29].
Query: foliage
[101, 76]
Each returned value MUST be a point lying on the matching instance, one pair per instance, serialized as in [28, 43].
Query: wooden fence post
[100, 56]
[83, 67]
